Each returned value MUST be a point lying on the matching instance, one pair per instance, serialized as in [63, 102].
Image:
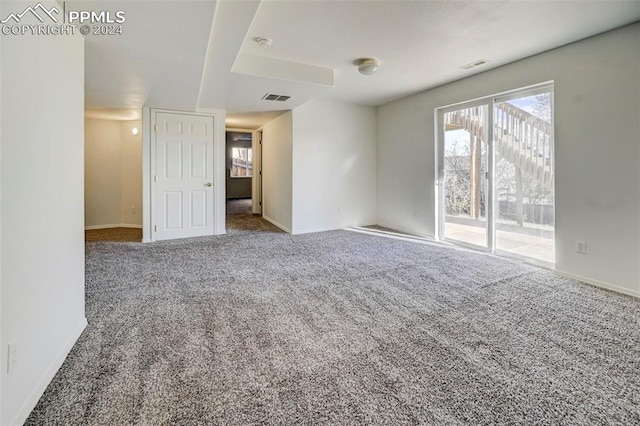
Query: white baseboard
[395, 236]
[406, 231]
[113, 225]
[284, 228]
[600, 284]
[311, 231]
[586, 280]
[31, 402]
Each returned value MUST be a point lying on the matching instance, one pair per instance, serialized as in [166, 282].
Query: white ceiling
[157, 61]
[198, 55]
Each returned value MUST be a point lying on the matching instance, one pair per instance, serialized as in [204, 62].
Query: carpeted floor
[240, 219]
[341, 328]
[239, 206]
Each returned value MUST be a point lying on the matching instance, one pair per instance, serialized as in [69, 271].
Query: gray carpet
[239, 206]
[341, 328]
[240, 219]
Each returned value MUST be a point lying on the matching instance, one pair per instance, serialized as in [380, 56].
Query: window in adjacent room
[241, 162]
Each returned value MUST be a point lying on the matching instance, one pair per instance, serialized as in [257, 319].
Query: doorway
[112, 177]
[496, 169]
[239, 177]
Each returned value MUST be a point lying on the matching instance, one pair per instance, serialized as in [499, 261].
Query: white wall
[277, 171]
[334, 166]
[42, 212]
[131, 174]
[103, 177]
[113, 173]
[256, 182]
[597, 88]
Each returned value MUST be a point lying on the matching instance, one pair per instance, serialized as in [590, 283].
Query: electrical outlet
[581, 247]
[133, 210]
[13, 355]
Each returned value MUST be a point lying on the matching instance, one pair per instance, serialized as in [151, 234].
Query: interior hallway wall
[102, 176]
[113, 173]
[334, 166]
[277, 171]
[131, 173]
[42, 226]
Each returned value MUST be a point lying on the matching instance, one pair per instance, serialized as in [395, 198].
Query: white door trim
[257, 167]
[148, 169]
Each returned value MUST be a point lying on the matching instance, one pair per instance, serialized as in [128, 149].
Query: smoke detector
[264, 42]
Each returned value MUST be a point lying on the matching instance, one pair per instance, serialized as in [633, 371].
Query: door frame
[490, 101]
[257, 166]
[256, 178]
[149, 169]
[440, 193]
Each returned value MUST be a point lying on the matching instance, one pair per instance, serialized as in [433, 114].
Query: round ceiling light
[367, 66]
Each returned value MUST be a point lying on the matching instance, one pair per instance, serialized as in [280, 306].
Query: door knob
[208, 184]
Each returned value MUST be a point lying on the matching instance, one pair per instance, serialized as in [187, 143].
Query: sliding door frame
[547, 87]
[491, 210]
[440, 164]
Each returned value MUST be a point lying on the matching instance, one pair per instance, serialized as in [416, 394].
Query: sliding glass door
[496, 181]
[524, 176]
[465, 169]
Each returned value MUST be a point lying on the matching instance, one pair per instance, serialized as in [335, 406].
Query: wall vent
[273, 97]
[474, 64]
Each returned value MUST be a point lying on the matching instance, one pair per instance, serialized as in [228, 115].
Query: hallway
[240, 219]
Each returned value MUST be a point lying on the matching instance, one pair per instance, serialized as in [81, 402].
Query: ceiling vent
[474, 64]
[272, 97]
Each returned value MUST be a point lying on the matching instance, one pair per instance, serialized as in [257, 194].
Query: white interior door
[183, 176]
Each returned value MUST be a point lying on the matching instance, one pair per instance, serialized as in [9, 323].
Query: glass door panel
[464, 215]
[524, 176]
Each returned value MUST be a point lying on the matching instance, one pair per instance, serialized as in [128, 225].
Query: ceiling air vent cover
[273, 97]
